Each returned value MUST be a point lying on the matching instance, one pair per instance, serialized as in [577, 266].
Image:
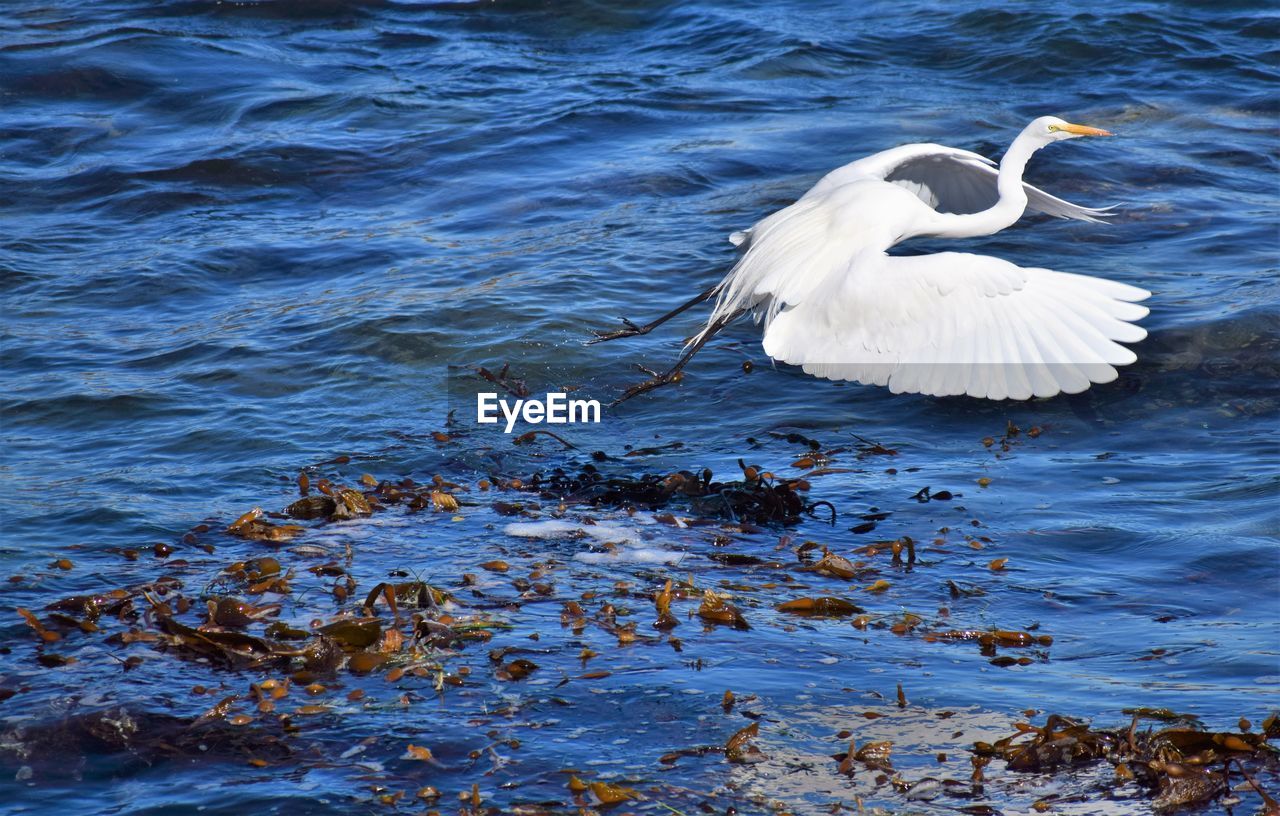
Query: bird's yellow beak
[1085, 130]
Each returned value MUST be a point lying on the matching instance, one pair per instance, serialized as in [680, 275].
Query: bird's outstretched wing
[956, 323]
[960, 185]
[947, 179]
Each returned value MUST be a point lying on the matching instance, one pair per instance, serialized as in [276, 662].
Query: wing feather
[1062, 375]
[957, 182]
[1035, 374]
[947, 179]
[957, 323]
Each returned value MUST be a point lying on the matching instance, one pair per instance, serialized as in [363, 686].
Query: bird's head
[1052, 129]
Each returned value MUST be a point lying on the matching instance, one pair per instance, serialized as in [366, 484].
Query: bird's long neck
[1010, 206]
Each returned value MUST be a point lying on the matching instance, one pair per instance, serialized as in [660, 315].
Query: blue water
[244, 238]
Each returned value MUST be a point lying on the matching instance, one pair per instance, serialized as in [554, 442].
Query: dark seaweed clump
[758, 497]
[1179, 766]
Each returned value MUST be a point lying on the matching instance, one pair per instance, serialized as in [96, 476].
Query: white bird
[817, 275]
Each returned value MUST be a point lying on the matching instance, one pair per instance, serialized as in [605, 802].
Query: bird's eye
[1054, 128]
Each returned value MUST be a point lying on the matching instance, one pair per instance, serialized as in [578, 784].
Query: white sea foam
[627, 543]
[607, 533]
[631, 555]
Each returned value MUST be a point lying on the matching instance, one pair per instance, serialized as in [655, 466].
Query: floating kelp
[758, 497]
[832, 565]
[236, 613]
[1177, 767]
[139, 738]
[741, 746]
[295, 641]
[825, 606]
[715, 609]
[252, 525]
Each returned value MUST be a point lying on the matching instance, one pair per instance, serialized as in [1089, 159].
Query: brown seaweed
[1178, 766]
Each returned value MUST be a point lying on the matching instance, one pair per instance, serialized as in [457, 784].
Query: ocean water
[242, 239]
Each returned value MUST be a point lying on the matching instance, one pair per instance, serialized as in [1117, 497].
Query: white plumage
[818, 277]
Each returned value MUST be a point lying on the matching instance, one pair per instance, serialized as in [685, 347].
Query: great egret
[831, 299]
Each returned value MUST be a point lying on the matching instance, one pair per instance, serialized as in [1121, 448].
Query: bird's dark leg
[676, 373]
[632, 330]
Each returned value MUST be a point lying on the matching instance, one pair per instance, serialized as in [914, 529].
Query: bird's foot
[631, 330]
[655, 380]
